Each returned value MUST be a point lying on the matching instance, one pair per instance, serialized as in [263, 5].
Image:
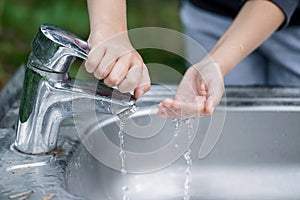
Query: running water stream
[188, 176]
[125, 189]
[187, 156]
[123, 118]
[121, 144]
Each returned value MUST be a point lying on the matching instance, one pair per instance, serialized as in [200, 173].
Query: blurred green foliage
[20, 19]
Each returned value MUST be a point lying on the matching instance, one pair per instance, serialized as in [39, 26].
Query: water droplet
[177, 123]
[123, 171]
[77, 164]
[125, 193]
[189, 123]
[125, 189]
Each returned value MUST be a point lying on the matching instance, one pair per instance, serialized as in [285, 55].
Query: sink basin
[247, 150]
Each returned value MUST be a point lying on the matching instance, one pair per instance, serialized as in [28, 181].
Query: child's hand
[199, 92]
[114, 60]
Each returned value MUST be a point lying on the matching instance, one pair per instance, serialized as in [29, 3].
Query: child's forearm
[256, 21]
[107, 16]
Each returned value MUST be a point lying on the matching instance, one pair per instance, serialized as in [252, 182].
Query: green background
[20, 19]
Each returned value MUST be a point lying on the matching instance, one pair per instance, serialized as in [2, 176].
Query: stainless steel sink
[249, 149]
[257, 155]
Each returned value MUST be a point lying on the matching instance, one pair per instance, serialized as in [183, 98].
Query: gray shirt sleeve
[288, 7]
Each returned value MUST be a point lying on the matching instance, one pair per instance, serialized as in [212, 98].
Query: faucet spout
[49, 94]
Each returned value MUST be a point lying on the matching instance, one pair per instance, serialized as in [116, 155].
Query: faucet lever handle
[82, 47]
[55, 49]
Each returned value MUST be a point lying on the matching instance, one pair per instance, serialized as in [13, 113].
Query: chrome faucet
[49, 92]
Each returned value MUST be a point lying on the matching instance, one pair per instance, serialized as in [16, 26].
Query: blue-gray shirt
[230, 8]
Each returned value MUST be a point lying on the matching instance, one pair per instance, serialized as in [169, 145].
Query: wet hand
[198, 93]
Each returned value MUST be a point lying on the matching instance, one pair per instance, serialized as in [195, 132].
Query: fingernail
[88, 69]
